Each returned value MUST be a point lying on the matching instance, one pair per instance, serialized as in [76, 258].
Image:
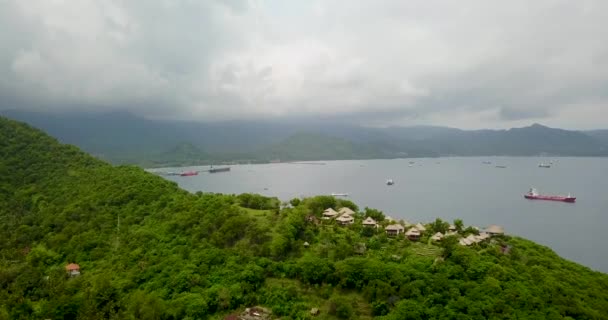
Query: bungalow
[473, 238]
[483, 236]
[72, 269]
[346, 210]
[452, 228]
[495, 230]
[437, 236]
[413, 234]
[420, 227]
[329, 213]
[345, 219]
[394, 229]
[464, 242]
[369, 222]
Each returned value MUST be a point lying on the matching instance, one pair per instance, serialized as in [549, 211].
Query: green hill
[149, 250]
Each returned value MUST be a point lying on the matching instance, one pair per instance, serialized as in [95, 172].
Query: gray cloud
[465, 64]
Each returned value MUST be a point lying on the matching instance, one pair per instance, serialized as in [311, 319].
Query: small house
[420, 227]
[473, 239]
[413, 234]
[495, 230]
[346, 210]
[394, 229]
[72, 269]
[329, 213]
[464, 242]
[370, 222]
[345, 219]
[437, 236]
[452, 228]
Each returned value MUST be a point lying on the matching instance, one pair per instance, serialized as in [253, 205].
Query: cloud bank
[465, 63]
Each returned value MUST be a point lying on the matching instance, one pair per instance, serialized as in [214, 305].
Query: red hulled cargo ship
[533, 195]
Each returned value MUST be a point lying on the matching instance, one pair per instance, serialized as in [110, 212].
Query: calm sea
[450, 188]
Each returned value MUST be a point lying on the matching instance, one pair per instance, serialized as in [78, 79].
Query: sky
[466, 64]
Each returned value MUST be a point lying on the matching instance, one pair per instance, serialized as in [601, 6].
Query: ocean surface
[449, 188]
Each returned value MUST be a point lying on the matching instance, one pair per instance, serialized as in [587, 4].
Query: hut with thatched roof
[495, 230]
[420, 227]
[346, 210]
[330, 213]
[370, 222]
[394, 229]
[345, 219]
[437, 236]
[413, 234]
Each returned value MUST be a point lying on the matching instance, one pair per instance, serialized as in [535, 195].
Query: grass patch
[424, 250]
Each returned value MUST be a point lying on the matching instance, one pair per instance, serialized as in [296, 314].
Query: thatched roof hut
[437, 236]
[345, 219]
[346, 210]
[394, 229]
[495, 230]
[413, 234]
[330, 213]
[370, 222]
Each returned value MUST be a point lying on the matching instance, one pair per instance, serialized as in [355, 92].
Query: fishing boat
[189, 173]
[501, 167]
[487, 162]
[390, 182]
[534, 195]
[544, 165]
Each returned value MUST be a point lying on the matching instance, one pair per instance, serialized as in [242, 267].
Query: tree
[459, 225]
[294, 202]
[374, 214]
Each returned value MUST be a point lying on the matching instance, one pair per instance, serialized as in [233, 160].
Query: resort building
[394, 229]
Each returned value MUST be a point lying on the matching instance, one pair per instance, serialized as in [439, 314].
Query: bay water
[449, 188]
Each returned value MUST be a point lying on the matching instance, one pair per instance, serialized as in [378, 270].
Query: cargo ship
[189, 173]
[533, 195]
[214, 170]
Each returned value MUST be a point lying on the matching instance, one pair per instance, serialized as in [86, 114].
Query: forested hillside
[149, 250]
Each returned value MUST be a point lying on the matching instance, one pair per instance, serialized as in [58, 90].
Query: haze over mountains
[125, 138]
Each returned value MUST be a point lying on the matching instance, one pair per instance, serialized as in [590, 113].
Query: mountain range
[125, 138]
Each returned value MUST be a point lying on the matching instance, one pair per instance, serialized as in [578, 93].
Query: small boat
[173, 173]
[487, 162]
[544, 165]
[412, 162]
[189, 173]
[390, 182]
[340, 194]
[533, 195]
[501, 167]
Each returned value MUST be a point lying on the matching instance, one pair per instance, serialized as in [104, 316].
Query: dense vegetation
[126, 139]
[178, 255]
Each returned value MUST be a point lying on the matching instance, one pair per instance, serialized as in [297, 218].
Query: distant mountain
[601, 135]
[125, 138]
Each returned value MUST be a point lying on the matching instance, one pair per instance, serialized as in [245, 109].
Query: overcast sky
[466, 64]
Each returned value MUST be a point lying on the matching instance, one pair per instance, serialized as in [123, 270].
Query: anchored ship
[534, 195]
